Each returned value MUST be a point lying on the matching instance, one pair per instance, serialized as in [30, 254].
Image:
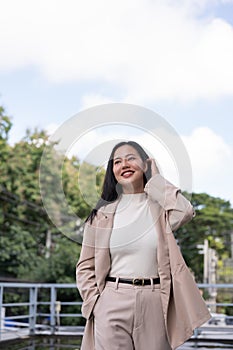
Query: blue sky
[174, 57]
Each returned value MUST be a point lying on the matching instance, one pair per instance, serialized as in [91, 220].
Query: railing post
[53, 297]
[195, 333]
[32, 310]
[1, 311]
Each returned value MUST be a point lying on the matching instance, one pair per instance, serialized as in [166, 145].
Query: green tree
[5, 126]
[30, 243]
[23, 221]
[213, 221]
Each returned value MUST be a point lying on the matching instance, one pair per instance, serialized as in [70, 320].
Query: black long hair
[111, 188]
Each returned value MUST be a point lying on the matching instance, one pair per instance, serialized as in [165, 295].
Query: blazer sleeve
[85, 271]
[178, 209]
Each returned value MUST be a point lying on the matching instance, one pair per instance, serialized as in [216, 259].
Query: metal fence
[32, 319]
[40, 303]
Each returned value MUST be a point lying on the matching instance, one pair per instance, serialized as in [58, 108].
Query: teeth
[127, 173]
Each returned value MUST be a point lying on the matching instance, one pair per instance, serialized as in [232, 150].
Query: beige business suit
[182, 304]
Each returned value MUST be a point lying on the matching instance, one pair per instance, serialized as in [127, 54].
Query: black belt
[134, 281]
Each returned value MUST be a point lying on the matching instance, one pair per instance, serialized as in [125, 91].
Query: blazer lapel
[102, 240]
[164, 268]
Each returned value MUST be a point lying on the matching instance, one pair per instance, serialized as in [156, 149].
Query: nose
[125, 163]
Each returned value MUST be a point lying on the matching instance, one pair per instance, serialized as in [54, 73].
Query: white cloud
[207, 149]
[51, 128]
[146, 49]
[96, 144]
[94, 100]
[212, 164]
[211, 158]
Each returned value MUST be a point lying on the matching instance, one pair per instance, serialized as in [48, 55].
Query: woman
[137, 290]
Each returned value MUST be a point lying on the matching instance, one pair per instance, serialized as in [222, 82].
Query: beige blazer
[183, 307]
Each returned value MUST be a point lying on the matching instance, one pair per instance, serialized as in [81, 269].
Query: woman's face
[128, 169]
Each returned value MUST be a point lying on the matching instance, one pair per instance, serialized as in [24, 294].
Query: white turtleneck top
[133, 240]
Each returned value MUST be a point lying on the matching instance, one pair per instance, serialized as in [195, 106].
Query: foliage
[31, 246]
[213, 221]
[25, 253]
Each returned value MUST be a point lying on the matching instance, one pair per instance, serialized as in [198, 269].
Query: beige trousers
[128, 317]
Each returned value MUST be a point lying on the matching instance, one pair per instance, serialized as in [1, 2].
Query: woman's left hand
[154, 169]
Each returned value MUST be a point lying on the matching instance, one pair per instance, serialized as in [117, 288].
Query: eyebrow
[127, 155]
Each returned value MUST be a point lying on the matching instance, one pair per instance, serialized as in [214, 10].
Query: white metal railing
[32, 315]
[32, 320]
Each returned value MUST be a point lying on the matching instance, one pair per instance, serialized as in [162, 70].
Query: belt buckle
[138, 281]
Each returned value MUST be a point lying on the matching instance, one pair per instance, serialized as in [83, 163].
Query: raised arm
[179, 210]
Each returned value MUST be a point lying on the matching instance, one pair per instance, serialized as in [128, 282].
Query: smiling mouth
[127, 173]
